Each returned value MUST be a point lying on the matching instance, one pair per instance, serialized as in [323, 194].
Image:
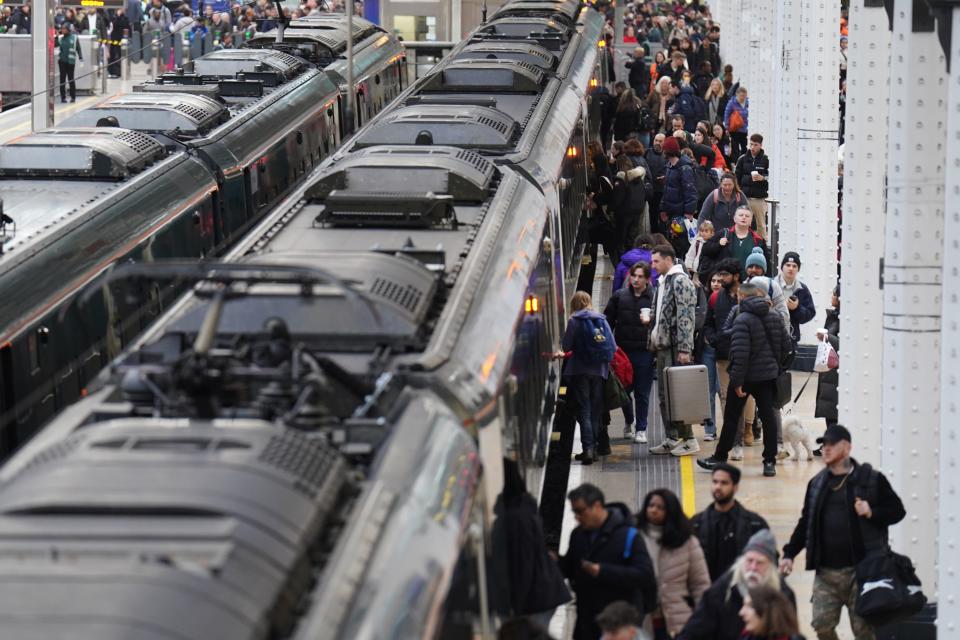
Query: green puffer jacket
[69, 48]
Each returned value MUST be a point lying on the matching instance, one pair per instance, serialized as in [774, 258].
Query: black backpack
[646, 121]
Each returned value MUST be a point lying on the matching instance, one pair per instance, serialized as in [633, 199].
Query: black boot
[589, 456]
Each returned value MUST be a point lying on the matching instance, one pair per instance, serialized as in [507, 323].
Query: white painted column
[783, 148]
[912, 275]
[735, 36]
[948, 574]
[817, 118]
[41, 45]
[865, 164]
[757, 42]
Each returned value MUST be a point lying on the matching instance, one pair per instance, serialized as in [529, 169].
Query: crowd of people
[678, 184]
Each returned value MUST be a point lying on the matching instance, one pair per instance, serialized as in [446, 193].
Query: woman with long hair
[768, 614]
[658, 60]
[716, 99]
[626, 119]
[678, 561]
[722, 141]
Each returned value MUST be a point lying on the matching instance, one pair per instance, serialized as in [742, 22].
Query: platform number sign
[94, 4]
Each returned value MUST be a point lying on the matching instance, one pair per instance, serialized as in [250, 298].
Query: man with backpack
[606, 560]
[690, 106]
[589, 345]
[672, 337]
[847, 508]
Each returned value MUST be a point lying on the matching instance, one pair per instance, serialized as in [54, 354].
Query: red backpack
[622, 368]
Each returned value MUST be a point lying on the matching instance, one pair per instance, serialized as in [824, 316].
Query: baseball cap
[834, 434]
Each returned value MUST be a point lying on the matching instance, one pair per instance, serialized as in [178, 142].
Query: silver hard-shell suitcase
[688, 393]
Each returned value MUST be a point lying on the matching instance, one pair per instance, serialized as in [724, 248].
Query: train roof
[106, 153]
[189, 115]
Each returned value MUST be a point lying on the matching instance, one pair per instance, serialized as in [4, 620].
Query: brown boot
[748, 435]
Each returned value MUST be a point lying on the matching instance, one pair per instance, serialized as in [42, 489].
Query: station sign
[94, 4]
[13, 3]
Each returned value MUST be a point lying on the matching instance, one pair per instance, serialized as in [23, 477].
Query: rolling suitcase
[688, 393]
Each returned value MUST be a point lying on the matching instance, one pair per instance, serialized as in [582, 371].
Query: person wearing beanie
[799, 300]
[756, 259]
[679, 198]
[739, 241]
[717, 616]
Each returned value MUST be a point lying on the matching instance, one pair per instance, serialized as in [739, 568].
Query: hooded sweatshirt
[627, 261]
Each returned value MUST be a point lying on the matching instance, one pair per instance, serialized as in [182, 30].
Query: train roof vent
[335, 40]
[103, 153]
[523, 27]
[230, 62]
[181, 114]
[455, 126]
[362, 28]
[402, 186]
[530, 53]
[562, 10]
[487, 76]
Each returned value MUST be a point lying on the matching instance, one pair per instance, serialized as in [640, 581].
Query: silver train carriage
[232, 133]
[366, 355]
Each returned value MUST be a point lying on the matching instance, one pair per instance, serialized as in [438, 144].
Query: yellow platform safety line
[688, 493]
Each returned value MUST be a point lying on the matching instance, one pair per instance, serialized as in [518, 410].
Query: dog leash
[800, 393]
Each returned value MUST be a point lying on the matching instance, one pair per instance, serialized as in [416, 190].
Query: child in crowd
[704, 233]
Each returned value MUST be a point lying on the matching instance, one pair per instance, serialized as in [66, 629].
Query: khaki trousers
[759, 208]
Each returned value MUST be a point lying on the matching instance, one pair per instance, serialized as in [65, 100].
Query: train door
[7, 401]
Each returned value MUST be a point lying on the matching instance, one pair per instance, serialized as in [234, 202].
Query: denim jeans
[588, 392]
[710, 360]
[643, 370]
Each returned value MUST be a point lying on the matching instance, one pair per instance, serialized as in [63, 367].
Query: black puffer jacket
[623, 315]
[757, 344]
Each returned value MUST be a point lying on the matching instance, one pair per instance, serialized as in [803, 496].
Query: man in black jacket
[753, 171]
[717, 616]
[847, 509]
[603, 563]
[725, 527]
[639, 79]
[758, 343]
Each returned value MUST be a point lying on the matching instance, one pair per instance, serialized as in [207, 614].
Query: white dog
[794, 435]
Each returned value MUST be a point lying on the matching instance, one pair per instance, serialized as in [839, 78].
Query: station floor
[630, 472]
[15, 122]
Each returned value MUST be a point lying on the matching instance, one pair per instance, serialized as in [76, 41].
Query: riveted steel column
[865, 163]
[948, 574]
[817, 118]
[733, 33]
[911, 279]
[783, 148]
[757, 74]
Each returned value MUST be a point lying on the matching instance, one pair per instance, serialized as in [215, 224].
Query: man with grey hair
[717, 616]
[639, 79]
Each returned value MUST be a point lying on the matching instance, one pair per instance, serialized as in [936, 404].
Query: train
[181, 167]
[311, 443]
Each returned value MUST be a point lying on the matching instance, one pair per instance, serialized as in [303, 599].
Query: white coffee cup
[645, 314]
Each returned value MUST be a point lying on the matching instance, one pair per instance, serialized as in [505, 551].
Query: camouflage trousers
[834, 589]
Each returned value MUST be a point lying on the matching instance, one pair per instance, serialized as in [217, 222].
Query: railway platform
[630, 472]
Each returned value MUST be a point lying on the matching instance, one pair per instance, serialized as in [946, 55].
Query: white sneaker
[736, 454]
[710, 437]
[628, 431]
[686, 448]
[782, 453]
[664, 447]
[641, 437]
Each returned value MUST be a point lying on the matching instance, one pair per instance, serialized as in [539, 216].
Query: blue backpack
[595, 341]
[650, 597]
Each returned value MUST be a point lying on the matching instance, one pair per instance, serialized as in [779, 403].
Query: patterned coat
[679, 312]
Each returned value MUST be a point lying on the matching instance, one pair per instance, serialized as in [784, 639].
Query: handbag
[614, 395]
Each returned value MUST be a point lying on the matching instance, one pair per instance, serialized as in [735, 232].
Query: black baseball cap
[834, 434]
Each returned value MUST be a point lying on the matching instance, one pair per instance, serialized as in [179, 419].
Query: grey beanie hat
[763, 542]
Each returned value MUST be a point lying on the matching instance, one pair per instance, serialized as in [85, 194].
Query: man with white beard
[717, 616]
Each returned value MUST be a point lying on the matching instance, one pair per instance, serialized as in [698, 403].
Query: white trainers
[641, 437]
[664, 447]
[628, 431]
[782, 453]
[710, 437]
[736, 454]
[686, 448]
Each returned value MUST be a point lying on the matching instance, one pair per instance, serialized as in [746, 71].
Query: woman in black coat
[626, 121]
[623, 312]
[829, 381]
